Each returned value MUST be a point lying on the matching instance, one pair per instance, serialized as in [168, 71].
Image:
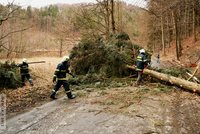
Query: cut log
[191, 86]
[36, 62]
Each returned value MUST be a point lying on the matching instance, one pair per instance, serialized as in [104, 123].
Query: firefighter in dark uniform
[141, 63]
[61, 80]
[24, 72]
[158, 58]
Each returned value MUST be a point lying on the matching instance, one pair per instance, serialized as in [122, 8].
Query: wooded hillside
[50, 29]
[172, 22]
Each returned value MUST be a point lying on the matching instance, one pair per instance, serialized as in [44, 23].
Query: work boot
[72, 96]
[31, 82]
[136, 84]
[52, 96]
[23, 84]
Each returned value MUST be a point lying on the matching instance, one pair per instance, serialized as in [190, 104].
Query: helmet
[24, 60]
[65, 58]
[142, 51]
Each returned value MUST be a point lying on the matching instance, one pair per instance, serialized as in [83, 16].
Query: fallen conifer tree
[191, 86]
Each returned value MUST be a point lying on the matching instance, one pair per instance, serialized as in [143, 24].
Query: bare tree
[9, 16]
[112, 16]
[182, 23]
[194, 20]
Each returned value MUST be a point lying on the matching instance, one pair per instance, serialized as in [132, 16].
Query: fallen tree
[191, 86]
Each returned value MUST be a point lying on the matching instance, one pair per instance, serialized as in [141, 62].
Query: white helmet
[65, 58]
[142, 51]
[24, 60]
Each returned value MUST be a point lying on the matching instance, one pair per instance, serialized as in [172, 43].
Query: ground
[128, 110]
[149, 108]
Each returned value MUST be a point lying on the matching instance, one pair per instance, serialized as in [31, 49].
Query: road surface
[168, 113]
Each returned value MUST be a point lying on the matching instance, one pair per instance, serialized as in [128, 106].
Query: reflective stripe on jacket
[23, 68]
[141, 62]
[61, 71]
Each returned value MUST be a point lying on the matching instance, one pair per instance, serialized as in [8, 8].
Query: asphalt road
[71, 117]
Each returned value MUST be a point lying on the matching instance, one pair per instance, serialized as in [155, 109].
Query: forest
[164, 23]
[173, 21]
[53, 22]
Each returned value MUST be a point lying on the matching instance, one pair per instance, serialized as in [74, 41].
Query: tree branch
[16, 31]
[8, 16]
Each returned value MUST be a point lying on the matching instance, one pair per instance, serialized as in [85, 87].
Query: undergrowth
[9, 75]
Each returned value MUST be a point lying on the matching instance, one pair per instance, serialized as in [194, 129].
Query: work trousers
[65, 85]
[139, 77]
[28, 77]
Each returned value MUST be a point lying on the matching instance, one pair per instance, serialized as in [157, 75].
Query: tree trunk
[194, 87]
[112, 16]
[61, 44]
[194, 21]
[168, 30]
[119, 16]
[176, 34]
[189, 22]
[185, 19]
[107, 18]
[163, 38]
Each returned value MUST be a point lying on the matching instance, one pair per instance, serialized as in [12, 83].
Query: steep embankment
[190, 53]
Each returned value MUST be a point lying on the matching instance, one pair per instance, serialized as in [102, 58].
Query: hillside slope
[190, 52]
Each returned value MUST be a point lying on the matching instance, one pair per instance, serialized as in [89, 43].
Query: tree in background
[54, 25]
[47, 17]
[106, 18]
[12, 25]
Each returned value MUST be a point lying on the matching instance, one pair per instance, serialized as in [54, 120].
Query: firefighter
[141, 63]
[24, 72]
[158, 58]
[60, 79]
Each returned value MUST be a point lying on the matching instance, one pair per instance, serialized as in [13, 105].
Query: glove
[17, 65]
[54, 79]
[73, 76]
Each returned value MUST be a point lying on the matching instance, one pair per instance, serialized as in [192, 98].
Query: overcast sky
[41, 3]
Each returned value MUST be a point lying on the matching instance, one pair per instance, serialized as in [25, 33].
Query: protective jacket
[141, 62]
[23, 68]
[61, 71]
